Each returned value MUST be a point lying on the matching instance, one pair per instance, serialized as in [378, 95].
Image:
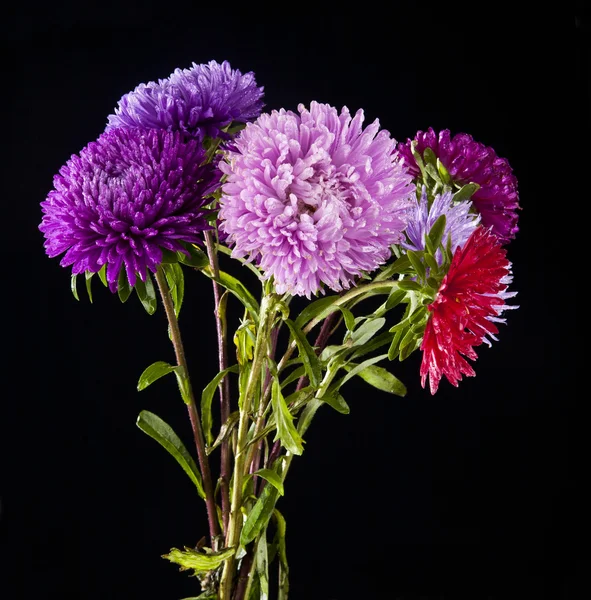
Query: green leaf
[225, 431]
[280, 531]
[88, 275]
[176, 283]
[262, 565]
[395, 345]
[152, 373]
[356, 369]
[400, 265]
[395, 298]
[74, 287]
[307, 354]
[383, 380]
[259, 516]
[184, 384]
[431, 262]
[163, 433]
[366, 331]
[348, 317]
[239, 290]
[337, 402]
[409, 285]
[272, 477]
[286, 431]
[197, 561]
[312, 310]
[197, 258]
[207, 398]
[374, 344]
[465, 192]
[308, 414]
[147, 294]
[123, 288]
[295, 374]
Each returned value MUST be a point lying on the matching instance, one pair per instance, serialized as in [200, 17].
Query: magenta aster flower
[314, 198]
[199, 101]
[468, 161]
[468, 304]
[124, 199]
[459, 222]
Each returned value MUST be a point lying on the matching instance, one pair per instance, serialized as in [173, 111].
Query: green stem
[235, 522]
[224, 386]
[175, 334]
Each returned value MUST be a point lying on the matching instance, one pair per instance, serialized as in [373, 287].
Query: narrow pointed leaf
[356, 369]
[163, 433]
[286, 431]
[436, 232]
[308, 414]
[262, 566]
[313, 309]
[259, 516]
[417, 263]
[366, 331]
[382, 379]
[207, 398]
[197, 561]
[307, 354]
[225, 431]
[337, 402]
[272, 477]
[196, 259]
[283, 566]
[152, 373]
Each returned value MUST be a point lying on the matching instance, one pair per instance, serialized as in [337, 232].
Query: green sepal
[147, 294]
[74, 287]
[123, 287]
[102, 273]
[88, 276]
[176, 284]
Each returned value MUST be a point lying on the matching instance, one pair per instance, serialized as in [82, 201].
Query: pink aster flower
[468, 304]
[314, 198]
[468, 161]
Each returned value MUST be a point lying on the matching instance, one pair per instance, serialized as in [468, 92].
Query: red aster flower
[466, 308]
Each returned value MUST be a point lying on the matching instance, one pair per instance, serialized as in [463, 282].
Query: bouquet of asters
[392, 247]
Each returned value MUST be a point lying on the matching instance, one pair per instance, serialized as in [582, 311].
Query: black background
[476, 493]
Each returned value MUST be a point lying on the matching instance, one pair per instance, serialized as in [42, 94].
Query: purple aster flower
[126, 197]
[497, 199]
[459, 222]
[314, 198]
[199, 101]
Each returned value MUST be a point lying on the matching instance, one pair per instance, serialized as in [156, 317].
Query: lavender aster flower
[313, 197]
[459, 222]
[467, 161]
[126, 197]
[199, 101]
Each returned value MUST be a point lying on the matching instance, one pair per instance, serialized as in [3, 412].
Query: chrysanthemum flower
[126, 197]
[468, 161]
[459, 222]
[199, 101]
[468, 304]
[313, 197]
